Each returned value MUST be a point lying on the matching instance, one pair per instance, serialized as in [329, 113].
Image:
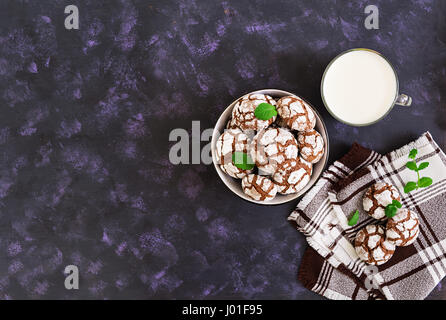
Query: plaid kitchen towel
[322, 215]
[313, 215]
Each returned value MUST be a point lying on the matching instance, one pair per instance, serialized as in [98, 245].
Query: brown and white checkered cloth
[331, 267]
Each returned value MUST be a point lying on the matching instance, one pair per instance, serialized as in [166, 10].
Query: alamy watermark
[370, 281]
[72, 20]
[370, 23]
[72, 278]
[372, 20]
[187, 149]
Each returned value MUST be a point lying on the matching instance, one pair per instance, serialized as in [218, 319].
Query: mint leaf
[397, 204]
[412, 165]
[354, 219]
[425, 182]
[265, 111]
[391, 211]
[413, 153]
[423, 166]
[242, 161]
[410, 186]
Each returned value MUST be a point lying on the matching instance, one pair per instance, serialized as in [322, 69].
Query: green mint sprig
[265, 111]
[392, 208]
[354, 219]
[242, 161]
[422, 182]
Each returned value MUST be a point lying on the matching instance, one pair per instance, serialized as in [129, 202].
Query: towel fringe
[405, 150]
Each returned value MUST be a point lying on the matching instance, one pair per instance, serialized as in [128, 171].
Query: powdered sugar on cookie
[377, 197]
[292, 176]
[296, 113]
[259, 188]
[272, 147]
[243, 115]
[311, 145]
[403, 228]
[372, 247]
[233, 140]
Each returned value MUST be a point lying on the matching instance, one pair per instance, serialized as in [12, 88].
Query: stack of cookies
[375, 244]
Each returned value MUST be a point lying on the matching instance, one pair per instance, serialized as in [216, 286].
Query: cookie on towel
[311, 145]
[403, 228]
[232, 140]
[378, 197]
[296, 113]
[371, 245]
[243, 113]
[259, 188]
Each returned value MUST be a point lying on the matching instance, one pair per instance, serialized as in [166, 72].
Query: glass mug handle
[404, 100]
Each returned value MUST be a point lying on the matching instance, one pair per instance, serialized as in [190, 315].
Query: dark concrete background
[85, 117]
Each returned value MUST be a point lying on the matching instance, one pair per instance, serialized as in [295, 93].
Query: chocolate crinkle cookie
[271, 147]
[243, 115]
[296, 113]
[378, 197]
[232, 140]
[372, 247]
[259, 188]
[403, 228]
[311, 145]
[231, 124]
[292, 175]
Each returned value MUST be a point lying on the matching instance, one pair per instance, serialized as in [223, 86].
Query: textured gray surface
[85, 117]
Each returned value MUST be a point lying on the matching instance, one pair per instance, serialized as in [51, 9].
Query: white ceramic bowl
[235, 184]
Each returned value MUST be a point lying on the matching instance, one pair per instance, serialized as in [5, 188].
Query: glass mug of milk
[360, 87]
